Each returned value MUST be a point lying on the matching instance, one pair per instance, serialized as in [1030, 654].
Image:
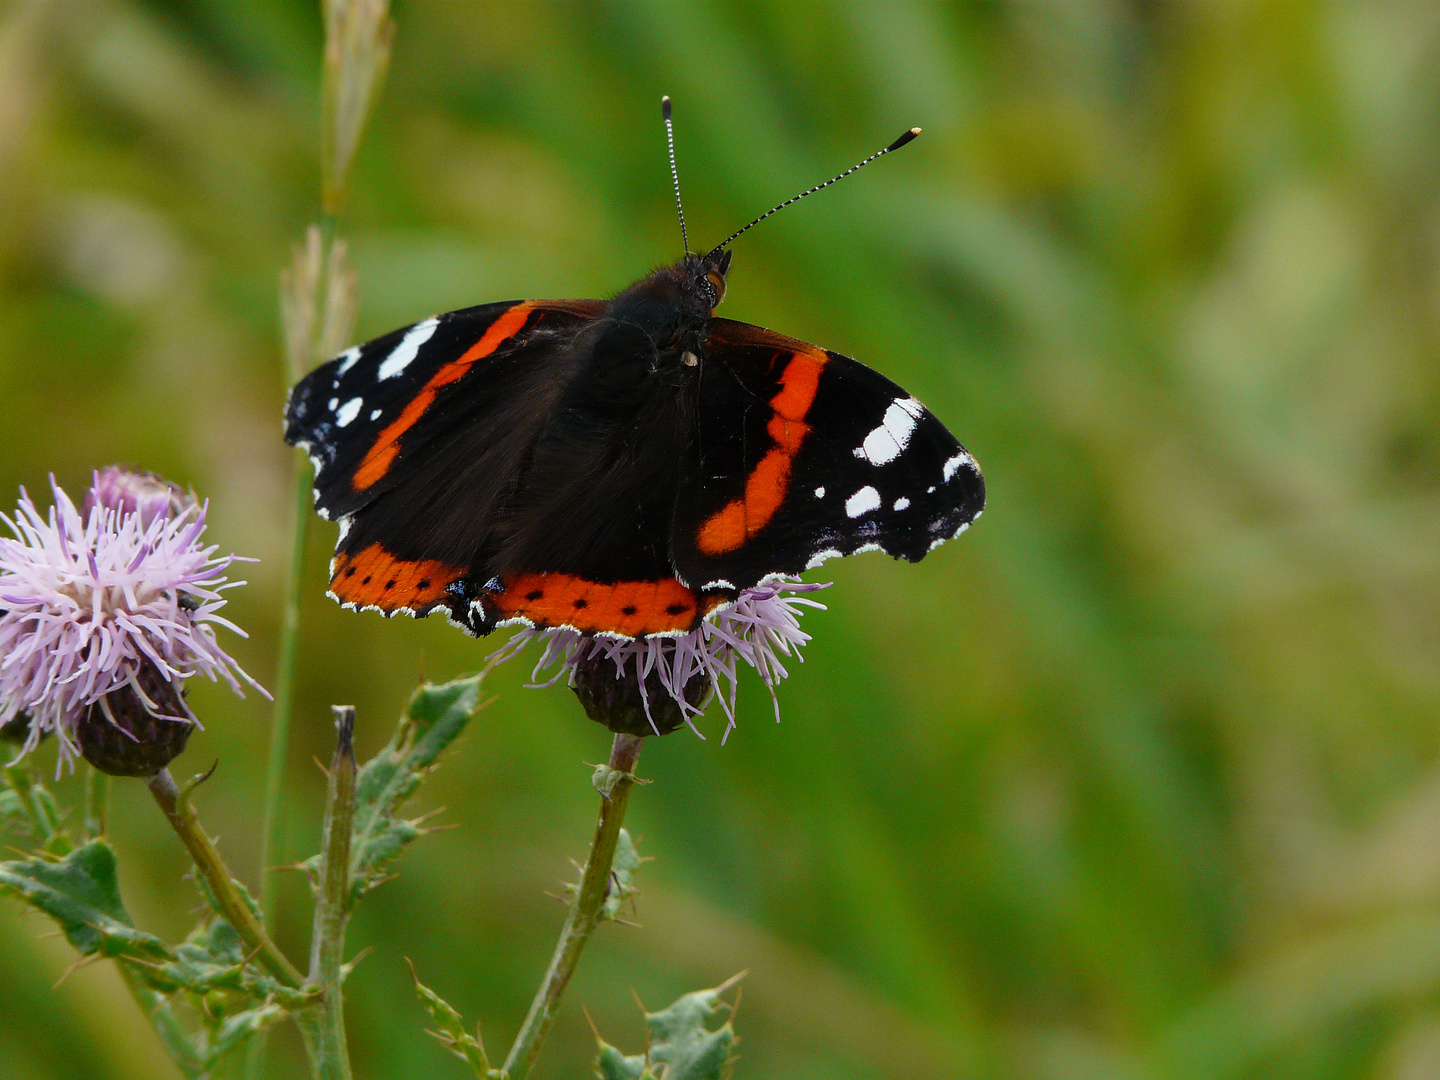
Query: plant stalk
[177, 1042]
[237, 912]
[272, 842]
[97, 801]
[324, 1027]
[584, 911]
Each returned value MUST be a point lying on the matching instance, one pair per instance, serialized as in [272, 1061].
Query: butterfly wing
[473, 466]
[806, 455]
[418, 439]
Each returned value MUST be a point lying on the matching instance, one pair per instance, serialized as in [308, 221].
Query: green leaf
[451, 1032]
[433, 719]
[11, 809]
[33, 802]
[612, 1064]
[622, 876]
[235, 1031]
[681, 1046]
[214, 957]
[82, 893]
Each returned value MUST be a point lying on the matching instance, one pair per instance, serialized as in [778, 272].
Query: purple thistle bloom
[132, 492]
[762, 629]
[104, 603]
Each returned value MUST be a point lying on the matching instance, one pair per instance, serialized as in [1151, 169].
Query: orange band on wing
[387, 445]
[768, 482]
[373, 577]
[631, 608]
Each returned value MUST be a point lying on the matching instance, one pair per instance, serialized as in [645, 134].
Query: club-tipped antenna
[901, 141]
[674, 172]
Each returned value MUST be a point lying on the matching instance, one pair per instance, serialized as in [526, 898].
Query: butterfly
[623, 467]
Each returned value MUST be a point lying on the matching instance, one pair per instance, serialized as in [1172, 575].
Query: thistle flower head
[127, 491]
[105, 613]
[675, 678]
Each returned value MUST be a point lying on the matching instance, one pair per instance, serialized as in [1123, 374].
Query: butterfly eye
[717, 287]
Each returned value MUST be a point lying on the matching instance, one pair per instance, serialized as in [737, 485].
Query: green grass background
[1138, 780]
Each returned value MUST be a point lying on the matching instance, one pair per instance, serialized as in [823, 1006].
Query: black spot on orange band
[373, 577]
[631, 608]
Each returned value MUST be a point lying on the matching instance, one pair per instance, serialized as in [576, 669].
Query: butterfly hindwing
[805, 455]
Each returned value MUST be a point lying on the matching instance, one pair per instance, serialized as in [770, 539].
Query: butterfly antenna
[901, 141]
[674, 172]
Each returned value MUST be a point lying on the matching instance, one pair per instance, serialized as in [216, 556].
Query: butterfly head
[672, 307]
[708, 273]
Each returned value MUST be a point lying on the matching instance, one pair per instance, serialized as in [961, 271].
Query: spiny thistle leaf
[81, 892]
[451, 1033]
[433, 719]
[612, 1064]
[235, 1031]
[681, 1046]
[34, 804]
[622, 876]
[12, 811]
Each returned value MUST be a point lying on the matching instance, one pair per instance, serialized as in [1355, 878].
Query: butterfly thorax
[673, 306]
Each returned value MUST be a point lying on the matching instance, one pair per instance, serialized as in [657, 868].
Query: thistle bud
[612, 697]
[138, 729]
[684, 673]
[16, 730]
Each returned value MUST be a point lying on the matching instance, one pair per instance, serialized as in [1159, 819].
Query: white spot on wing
[375, 413]
[348, 411]
[349, 357]
[408, 349]
[819, 493]
[901, 503]
[718, 583]
[333, 404]
[884, 444]
[862, 502]
[953, 465]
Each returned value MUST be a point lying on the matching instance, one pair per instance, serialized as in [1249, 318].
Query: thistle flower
[671, 680]
[104, 615]
[130, 492]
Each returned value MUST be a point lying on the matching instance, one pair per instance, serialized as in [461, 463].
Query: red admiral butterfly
[622, 467]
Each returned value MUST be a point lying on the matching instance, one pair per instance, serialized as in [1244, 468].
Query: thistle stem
[237, 912]
[584, 911]
[97, 801]
[323, 1029]
[157, 1010]
[272, 840]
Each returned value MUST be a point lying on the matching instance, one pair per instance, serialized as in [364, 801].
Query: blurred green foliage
[1139, 779]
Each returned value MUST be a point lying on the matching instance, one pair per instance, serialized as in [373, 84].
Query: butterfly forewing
[805, 455]
[356, 414]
